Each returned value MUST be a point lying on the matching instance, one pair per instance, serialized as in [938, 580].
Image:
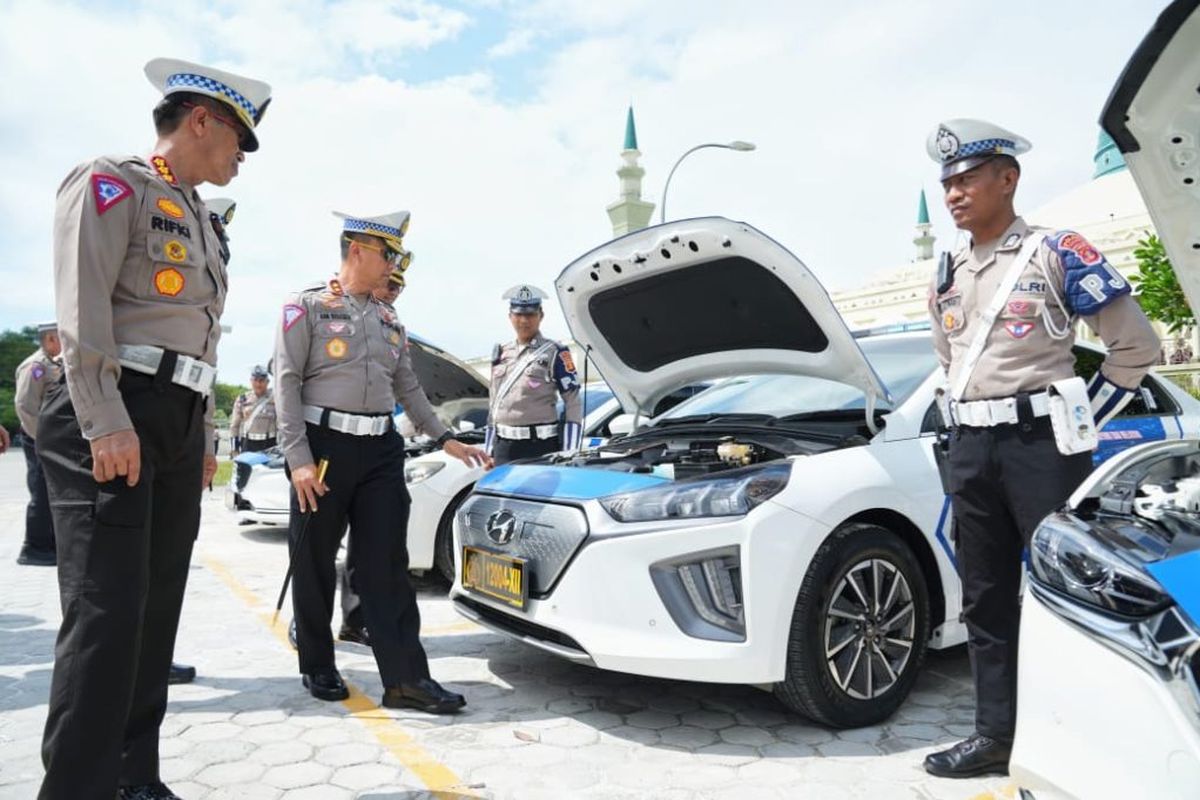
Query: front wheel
[443, 543]
[859, 629]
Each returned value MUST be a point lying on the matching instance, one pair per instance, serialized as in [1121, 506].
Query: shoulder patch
[109, 190]
[37, 371]
[1089, 281]
[291, 315]
[567, 361]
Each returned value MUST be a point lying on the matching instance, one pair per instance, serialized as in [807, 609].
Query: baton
[322, 466]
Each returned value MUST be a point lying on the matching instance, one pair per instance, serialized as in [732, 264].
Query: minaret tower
[631, 212]
[924, 239]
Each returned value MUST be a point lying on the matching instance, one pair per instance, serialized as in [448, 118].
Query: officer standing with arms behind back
[528, 375]
[252, 421]
[341, 362]
[34, 374]
[139, 289]
[1004, 310]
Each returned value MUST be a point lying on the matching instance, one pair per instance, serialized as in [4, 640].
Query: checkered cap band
[984, 146]
[363, 226]
[184, 80]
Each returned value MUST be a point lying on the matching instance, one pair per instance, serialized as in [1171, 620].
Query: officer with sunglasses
[342, 362]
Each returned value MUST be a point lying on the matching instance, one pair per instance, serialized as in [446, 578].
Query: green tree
[15, 347]
[224, 394]
[1159, 292]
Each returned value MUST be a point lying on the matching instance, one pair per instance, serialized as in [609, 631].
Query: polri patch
[291, 315]
[169, 282]
[1018, 329]
[108, 190]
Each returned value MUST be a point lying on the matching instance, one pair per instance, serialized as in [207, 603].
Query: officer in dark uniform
[529, 374]
[139, 288]
[341, 362]
[34, 374]
[1004, 312]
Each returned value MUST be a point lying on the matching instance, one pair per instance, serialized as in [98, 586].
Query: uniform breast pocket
[176, 268]
[950, 312]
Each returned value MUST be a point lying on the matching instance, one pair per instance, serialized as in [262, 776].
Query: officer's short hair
[171, 110]
[362, 238]
[1004, 161]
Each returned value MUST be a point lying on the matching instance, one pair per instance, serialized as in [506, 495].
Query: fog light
[703, 593]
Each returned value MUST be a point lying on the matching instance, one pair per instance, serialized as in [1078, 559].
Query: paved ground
[536, 726]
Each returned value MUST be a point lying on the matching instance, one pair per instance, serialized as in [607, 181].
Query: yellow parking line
[438, 777]
[1007, 793]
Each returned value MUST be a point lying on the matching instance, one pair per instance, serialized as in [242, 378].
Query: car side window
[1151, 399]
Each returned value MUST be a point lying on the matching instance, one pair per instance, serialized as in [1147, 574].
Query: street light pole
[740, 146]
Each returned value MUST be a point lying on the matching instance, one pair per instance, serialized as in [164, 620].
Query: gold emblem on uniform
[175, 251]
[169, 281]
[394, 337]
[336, 348]
[951, 321]
[169, 207]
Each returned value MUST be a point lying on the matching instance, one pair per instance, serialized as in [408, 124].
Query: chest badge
[169, 282]
[1018, 329]
[169, 207]
[951, 321]
[175, 251]
[336, 348]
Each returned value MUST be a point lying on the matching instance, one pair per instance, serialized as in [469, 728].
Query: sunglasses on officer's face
[398, 259]
[243, 135]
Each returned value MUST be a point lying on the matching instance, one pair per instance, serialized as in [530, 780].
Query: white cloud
[516, 42]
[837, 97]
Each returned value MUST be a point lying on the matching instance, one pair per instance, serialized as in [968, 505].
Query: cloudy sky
[498, 124]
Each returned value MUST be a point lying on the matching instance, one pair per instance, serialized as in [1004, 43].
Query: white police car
[1109, 673]
[786, 529]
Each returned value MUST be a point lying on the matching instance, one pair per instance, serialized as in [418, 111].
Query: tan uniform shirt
[1020, 354]
[136, 261]
[531, 396]
[34, 374]
[339, 352]
[253, 415]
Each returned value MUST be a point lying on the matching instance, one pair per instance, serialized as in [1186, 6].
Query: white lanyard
[1007, 284]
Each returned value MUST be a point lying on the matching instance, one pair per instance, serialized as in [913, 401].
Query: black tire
[844, 691]
[443, 543]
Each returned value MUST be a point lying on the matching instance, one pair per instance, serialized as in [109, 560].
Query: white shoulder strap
[1007, 284]
[519, 368]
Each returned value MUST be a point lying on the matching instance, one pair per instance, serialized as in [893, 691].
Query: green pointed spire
[923, 211]
[630, 132]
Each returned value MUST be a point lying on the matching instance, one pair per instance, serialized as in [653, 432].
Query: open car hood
[443, 377]
[701, 299]
[1153, 114]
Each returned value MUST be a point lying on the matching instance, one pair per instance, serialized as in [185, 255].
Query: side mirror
[621, 425]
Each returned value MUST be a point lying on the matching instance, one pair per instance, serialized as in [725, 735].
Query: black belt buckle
[1025, 411]
[166, 370]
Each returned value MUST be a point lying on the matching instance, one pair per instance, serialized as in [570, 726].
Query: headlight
[728, 494]
[417, 471]
[1070, 560]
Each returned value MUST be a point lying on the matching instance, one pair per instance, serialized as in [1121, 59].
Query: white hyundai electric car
[1109, 671]
[786, 528]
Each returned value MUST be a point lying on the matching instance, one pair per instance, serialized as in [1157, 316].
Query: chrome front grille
[546, 535]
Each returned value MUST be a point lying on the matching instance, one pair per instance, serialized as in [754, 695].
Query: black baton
[322, 466]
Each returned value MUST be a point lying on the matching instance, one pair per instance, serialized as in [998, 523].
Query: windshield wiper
[833, 413]
[705, 419]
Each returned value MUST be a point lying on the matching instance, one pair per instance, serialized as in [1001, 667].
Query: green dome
[1108, 158]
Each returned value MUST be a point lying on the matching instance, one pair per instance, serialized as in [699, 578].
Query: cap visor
[965, 165]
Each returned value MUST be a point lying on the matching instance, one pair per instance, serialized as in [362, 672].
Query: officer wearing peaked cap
[1004, 310]
[252, 421]
[34, 374]
[341, 363]
[140, 285]
[528, 375]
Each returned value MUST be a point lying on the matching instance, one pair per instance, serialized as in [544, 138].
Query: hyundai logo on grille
[501, 526]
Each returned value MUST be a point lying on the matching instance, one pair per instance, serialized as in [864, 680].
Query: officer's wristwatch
[445, 437]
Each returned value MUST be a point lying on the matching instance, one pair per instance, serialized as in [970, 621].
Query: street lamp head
[740, 145]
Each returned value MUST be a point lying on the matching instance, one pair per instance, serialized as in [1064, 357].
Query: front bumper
[604, 608]
[1094, 721]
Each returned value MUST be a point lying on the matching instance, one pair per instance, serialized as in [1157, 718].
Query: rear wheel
[859, 629]
[443, 544]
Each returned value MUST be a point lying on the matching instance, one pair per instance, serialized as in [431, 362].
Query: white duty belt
[522, 432]
[259, 437]
[353, 424]
[989, 413]
[191, 373]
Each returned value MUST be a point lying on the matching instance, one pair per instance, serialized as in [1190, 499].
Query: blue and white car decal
[1124, 433]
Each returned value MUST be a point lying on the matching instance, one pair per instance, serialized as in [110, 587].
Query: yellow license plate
[495, 575]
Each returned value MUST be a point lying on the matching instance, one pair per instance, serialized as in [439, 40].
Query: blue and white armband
[1107, 399]
[572, 436]
[489, 439]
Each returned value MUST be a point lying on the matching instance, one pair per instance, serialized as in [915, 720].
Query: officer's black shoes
[424, 695]
[37, 558]
[151, 791]
[355, 634]
[181, 673]
[978, 755]
[326, 684]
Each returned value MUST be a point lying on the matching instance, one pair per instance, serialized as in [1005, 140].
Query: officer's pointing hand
[117, 454]
[471, 456]
[308, 487]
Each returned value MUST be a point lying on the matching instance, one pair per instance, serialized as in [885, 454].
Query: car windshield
[597, 395]
[902, 363]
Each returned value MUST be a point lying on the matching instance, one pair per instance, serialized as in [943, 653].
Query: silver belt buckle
[192, 373]
[362, 426]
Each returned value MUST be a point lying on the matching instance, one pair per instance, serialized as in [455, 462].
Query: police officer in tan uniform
[139, 287]
[1004, 310]
[34, 374]
[529, 374]
[341, 363]
[252, 421]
